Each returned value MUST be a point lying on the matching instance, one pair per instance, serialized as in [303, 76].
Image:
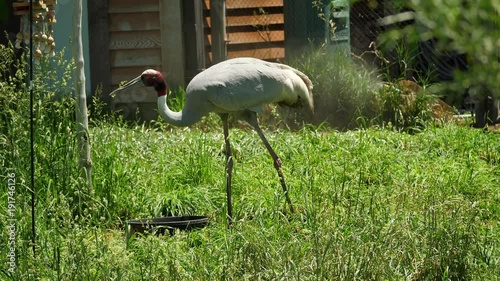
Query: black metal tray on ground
[159, 225]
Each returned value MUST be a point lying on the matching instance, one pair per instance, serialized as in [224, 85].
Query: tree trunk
[82, 124]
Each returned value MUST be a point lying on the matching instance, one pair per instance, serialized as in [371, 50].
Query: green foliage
[372, 204]
[464, 27]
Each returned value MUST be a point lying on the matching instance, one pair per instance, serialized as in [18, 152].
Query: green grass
[372, 203]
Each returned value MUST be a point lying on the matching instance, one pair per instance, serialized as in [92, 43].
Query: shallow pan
[159, 225]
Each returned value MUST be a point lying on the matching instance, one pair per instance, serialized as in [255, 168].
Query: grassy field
[371, 204]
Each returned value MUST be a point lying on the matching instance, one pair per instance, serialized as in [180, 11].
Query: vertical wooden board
[99, 53]
[134, 21]
[134, 40]
[121, 74]
[218, 30]
[172, 41]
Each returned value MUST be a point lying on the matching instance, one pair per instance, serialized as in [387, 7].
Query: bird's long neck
[181, 118]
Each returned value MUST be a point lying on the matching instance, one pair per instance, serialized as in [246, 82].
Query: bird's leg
[229, 168]
[252, 119]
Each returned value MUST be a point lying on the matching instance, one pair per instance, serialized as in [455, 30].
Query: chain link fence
[403, 59]
[371, 20]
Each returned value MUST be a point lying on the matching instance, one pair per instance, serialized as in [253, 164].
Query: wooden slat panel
[251, 20]
[265, 54]
[239, 4]
[126, 58]
[134, 22]
[252, 37]
[134, 95]
[120, 74]
[134, 40]
[277, 53]
[133, 6]
[255, 20]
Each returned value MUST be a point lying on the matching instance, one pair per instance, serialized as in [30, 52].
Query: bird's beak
[126, 85]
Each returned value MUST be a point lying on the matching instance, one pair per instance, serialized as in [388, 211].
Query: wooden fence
[254, 28]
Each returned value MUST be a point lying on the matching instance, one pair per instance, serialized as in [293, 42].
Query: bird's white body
[240, 84]
[247, 84]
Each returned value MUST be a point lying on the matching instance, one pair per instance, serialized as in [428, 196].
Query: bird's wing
[241, 84]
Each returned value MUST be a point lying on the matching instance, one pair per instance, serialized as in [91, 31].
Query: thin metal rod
[32, 135]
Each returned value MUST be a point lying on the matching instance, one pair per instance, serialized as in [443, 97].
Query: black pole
[32, 135]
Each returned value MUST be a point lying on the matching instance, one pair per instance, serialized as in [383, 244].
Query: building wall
[63, 32]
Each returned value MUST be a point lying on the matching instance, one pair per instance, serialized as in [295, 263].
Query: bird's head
[149, 78]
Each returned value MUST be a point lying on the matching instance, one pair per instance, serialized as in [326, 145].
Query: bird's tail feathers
[309, 85]
[308, 96]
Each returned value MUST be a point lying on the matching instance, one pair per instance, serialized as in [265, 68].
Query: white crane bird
[238, 86]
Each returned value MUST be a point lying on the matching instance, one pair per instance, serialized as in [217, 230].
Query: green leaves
[466, 27]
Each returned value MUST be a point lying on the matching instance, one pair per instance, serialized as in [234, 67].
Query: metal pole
[326, 13]
[32, 134]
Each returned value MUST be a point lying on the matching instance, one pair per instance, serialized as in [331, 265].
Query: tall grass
[372, 204]
[343, 91]
[349, 94]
